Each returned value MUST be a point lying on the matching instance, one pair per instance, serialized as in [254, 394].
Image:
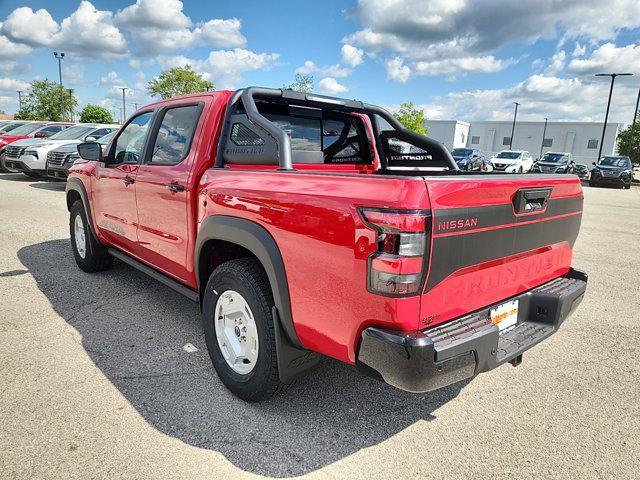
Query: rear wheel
[90, 255]
[239, 329]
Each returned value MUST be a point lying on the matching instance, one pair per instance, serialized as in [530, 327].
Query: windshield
[27, 128]
[11, 126]
[461, 152]
[555, 158]
[622, 162]
[72, 133]
[106, 138]
[509, 155]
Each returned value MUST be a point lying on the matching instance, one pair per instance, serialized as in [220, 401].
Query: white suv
[513, 161]
[33, 158]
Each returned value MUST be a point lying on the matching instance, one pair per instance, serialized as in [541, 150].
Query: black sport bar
[249, 95]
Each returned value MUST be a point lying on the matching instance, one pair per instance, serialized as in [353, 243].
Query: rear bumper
[462, 348]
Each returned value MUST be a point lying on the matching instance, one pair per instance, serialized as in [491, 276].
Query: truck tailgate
[494, 237]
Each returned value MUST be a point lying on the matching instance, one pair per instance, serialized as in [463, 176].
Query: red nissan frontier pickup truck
[307, 225]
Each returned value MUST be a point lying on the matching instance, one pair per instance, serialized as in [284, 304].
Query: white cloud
[441, 31]
[558, 62]
[608, 58]
[163, 14]
[329, 71]
[11, 85]
[351, 56]
[161, 25]
[331, 86]
[540, 96]
[397, 70]
[87, 32]
[220, 33]
[225, 67]
[454, 66]
[111, 79]
[579, 50]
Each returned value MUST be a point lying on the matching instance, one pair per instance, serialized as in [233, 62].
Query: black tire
[3, 168]
[246, 277]
[591, 184]
[520, 170]
[627, 187]
[96, 257]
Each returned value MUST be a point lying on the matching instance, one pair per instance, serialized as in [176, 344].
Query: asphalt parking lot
[98, 379]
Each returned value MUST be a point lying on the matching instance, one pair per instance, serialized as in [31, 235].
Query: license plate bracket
[505, 316]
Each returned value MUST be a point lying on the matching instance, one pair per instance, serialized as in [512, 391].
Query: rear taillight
[398, 265]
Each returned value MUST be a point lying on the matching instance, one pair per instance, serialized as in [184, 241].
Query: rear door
[163, 190]
[495, 236]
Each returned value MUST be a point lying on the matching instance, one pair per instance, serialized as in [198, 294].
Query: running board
[161, 277]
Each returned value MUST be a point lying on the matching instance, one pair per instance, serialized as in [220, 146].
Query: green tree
[45, 100]
[302, 83]
[95, 114]
[411, 117]
[178, 81]
[629, 142]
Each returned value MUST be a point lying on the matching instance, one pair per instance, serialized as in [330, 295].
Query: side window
[101, 132]
[52, 129]
[304, 132]
[173, 140]
[343, 141]
[129, 144]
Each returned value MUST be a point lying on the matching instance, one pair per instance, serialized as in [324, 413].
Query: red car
[28, 130]
[303, 228]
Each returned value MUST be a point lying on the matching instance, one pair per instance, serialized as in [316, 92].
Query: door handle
[174, 187]
[128, 180]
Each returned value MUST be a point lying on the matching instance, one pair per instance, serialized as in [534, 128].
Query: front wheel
[239, 329]
[90, 255]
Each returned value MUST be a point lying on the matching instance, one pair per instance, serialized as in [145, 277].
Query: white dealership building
[582, 139]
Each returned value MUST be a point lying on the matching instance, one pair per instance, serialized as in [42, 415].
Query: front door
[114, 188]
[163, 191]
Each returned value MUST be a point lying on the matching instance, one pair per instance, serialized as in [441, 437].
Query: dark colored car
[612, 170]
[582, 171]
[60, 159]
[555, 162]
[468, 158]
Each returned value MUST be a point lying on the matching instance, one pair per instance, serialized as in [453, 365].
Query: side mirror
[90, 151]
[90, 138]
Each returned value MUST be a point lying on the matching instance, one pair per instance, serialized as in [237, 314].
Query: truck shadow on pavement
[134, 329]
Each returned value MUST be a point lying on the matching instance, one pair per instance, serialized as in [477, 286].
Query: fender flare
[76, 185]
[258, 241]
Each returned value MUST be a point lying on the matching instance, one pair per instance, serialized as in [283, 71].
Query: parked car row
[610, 170]
[26, 147]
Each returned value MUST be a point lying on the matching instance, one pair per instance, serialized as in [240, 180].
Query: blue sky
[455, 58]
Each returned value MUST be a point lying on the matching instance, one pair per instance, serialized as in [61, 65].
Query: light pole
[70, 90]
[20, 99]
[544, 133]
[60, 56]
[635, 116]
[606, 115]
[513, 127]
[124, 107]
